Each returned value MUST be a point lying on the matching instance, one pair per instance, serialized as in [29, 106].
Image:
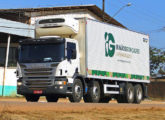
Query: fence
[156, 88]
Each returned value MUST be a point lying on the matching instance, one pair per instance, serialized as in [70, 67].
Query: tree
[157, 61]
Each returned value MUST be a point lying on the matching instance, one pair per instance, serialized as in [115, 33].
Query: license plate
[37, 91]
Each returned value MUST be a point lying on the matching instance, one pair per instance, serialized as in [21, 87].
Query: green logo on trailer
[109, 45]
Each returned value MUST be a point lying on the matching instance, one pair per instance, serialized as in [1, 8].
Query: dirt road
[18, 109]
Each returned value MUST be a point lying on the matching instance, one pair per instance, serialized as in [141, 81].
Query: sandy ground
[19, 109]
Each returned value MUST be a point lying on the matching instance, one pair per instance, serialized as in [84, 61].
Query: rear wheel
[129, 93]
[93, 94]
[86, 98]
[121, 99]
[128, 96]
[32, 98]
[138, 94]
[77, 91]
[51, 98]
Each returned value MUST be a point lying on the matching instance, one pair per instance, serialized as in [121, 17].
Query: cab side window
[71, 50]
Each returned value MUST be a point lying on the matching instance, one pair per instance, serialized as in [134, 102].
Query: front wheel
[32, 98]
[77, 91]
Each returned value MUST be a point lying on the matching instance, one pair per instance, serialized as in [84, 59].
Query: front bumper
[64, 90]
[56, 90]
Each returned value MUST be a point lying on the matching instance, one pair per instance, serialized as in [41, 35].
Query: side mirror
[73, 54]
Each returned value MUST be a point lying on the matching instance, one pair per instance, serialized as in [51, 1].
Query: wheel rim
[130, 94]
[139, 94]
[95, 92]
[77, 91]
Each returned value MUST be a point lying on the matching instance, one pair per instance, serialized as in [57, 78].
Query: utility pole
[6, 64]
[103, 8]
[127, 5]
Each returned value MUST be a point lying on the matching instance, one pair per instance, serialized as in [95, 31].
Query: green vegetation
[157, 61]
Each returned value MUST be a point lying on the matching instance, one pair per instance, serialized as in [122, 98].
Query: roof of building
[16, 28]
[6, 13]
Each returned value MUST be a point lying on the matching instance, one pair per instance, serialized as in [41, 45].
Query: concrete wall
[10, 82]
[15, 29]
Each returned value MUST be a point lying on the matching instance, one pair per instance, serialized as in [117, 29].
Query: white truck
[83, 58]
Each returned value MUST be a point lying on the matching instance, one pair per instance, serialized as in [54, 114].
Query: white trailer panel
[116, 53]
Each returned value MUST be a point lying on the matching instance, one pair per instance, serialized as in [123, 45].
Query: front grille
[36, 72]
[34, 83]
[38, 78]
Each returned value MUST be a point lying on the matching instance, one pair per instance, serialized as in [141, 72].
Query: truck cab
[47, 66]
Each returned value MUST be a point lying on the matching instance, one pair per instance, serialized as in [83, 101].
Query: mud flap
[145, 91]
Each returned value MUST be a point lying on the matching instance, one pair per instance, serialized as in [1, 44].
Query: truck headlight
[19, 83]
[60, 83]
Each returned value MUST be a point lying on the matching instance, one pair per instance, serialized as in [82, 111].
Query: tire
[105, 100]
[86, 99]
[77, 91]
[129, 93]
[121, 99]
[93, 94]
[51, 98]
[138, 94]
[32, 98]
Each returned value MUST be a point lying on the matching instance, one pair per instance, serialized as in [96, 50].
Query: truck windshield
[34, 53]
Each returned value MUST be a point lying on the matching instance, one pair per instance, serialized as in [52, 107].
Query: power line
[146, 12]
[136, 14]
[145, 19]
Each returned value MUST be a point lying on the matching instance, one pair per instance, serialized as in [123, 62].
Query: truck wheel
[93, 94]
[138, 94]
[51, 98]
[121, 99]
[129, 93]
[32, 98]
[77, 91]
[86, 98]
[105, 100]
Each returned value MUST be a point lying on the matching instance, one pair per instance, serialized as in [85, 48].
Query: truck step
[111, 86]
[111, 89]
[112, 92]
[69, 92]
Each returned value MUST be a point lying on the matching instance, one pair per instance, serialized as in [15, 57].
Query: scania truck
[83, 58]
